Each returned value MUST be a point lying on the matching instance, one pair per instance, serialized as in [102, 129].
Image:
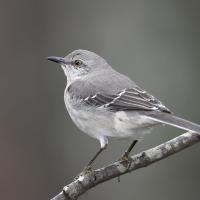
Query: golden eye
[78, 63]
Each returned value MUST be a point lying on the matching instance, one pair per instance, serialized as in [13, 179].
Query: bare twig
[143, 159]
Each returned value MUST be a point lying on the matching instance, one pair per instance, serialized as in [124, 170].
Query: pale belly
[99, 122]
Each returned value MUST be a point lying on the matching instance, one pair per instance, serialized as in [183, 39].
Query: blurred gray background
[155, 42]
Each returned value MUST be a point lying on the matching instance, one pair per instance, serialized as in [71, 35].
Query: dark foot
[126, 157]
[86, 171]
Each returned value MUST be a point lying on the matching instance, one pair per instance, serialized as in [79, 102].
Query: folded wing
[128, 99]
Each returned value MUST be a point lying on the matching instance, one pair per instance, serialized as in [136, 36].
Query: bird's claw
[126, 157]
[86, 171]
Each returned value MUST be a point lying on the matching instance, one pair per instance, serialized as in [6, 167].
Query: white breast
[98, 122]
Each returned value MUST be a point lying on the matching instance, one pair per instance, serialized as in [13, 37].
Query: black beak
[56, 59]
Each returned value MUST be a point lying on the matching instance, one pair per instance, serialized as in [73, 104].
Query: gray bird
[104, 103]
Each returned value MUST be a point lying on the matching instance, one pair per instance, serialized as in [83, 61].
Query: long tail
[173, 120]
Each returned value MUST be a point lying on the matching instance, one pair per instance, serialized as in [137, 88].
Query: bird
[104, 103]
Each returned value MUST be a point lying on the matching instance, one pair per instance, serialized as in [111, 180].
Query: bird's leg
[88, 166]
[104, 144]
[125, 156]
[87, 169]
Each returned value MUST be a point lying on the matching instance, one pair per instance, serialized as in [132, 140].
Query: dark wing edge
[128, 99]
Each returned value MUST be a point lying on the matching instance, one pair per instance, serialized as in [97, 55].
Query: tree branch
[143, 159]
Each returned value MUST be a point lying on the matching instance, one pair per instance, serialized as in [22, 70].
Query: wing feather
[128, 99]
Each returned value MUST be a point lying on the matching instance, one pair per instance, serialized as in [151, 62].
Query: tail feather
[173, 120]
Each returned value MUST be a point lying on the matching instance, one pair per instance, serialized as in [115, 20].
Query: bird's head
[79, 63]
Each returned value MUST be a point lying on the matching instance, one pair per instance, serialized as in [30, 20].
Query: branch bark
[116, 169]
